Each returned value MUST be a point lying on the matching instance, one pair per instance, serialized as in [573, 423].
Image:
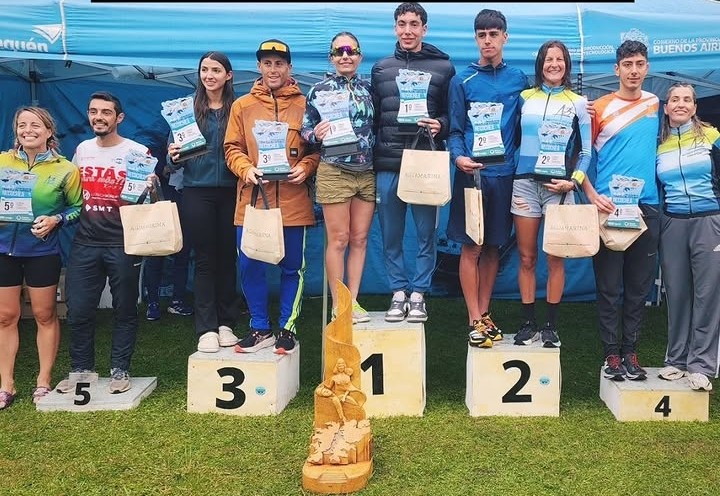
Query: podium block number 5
[512, 395]
[238, 395]
[81, 391]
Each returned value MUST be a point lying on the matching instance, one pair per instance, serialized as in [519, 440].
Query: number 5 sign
[513, 380]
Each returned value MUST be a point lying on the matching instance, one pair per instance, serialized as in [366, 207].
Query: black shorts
[38, 272]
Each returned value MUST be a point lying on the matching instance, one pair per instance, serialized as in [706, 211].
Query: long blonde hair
[697, 124]
[46, 119]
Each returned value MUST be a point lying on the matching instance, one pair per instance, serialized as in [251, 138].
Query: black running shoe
[633, 370]
[549, 336]
[285, 343]
[255, 340]
[527, 334]
[613, 368]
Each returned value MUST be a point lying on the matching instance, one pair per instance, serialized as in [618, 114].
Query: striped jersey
[556, 133]
[688, 168]
[625, 139]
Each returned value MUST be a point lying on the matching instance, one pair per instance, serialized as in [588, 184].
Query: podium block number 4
[663, 406]
[238, 395]
[512, 395]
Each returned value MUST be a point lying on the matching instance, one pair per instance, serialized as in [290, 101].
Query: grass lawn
[159, 448]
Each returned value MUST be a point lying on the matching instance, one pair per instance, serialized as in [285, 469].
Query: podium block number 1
[375, 362]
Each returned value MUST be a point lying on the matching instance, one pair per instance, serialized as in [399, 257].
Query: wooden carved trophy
[340, 459]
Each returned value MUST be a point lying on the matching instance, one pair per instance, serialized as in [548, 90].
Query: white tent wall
[55, 53]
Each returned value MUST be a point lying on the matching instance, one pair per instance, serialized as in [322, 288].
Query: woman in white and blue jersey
[554, 156]
[688, 169]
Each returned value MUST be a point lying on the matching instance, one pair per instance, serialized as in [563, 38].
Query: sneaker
[417, 312]
[699, 382]
[527, 333]
[478, 336]
[670, 373]
[153, 311]
[359, 314]
[633, 370]
[398, 307]
[209, 342]
[226, 337]
[549, 336]
[68, 386]
[179, 307]
[613, 368]
[285, 343]
[119, 381]
[256, 339]
[493, 330]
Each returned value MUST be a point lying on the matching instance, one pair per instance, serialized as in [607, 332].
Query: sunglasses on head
[272, 45]
[339, 51]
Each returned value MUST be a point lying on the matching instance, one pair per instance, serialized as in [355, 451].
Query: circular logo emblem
[260, 391]
[544, 380]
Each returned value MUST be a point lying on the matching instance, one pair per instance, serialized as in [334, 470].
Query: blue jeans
[391, 214]
[87, 270]
[253, 278]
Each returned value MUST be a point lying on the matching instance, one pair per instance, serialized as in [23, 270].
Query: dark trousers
[87, 270]
[629, 273]
[209, 215]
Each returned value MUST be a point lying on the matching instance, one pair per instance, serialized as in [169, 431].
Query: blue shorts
[497, 195]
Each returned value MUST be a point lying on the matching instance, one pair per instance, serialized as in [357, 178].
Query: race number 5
[82, 391]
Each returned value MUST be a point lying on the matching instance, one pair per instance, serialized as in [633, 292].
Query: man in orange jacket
[274, 107]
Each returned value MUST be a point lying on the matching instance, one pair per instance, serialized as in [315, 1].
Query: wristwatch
[59, 219]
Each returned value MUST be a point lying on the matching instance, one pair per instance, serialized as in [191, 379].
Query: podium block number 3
[512, 395]
[238, 395]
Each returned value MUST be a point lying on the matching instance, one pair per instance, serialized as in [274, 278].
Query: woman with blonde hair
[29, 241]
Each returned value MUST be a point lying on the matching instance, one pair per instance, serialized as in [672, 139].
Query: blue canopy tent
[55, 53]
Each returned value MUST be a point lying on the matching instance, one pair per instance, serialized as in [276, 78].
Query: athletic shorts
[38, 272]
[336, 185]
[530, 198]
[497, 192]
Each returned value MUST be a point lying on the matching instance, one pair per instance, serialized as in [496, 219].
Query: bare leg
[526, 233]
[337, 227]
[44, 307]
[470, 280]
[361, 214]
[9, 339]
[488, 265]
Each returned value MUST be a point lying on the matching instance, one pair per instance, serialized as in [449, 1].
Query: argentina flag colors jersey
[625, 139]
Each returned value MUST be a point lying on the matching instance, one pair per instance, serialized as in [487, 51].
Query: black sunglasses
[339, 51]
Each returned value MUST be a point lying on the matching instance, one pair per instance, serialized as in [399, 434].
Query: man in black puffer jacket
[413, 62]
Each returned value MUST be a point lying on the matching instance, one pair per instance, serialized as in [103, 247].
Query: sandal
[40, 392]
[6, 399]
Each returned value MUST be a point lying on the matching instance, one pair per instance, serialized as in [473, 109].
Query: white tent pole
[581, 33]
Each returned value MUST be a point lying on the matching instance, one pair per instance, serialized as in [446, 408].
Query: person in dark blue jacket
[422, 64]
[484, 101]
[208, 208]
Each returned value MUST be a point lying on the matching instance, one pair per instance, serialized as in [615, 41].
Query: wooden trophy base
[333, 479]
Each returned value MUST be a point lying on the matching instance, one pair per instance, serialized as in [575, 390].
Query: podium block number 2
[238, 395]
[512, 395]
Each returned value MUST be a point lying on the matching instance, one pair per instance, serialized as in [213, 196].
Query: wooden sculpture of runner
[340, 458]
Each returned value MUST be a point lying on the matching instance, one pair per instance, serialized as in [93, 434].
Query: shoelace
[613, 361]
[634, 360]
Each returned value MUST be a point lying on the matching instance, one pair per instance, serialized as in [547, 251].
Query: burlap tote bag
[618, 239]
[424, 174]
[474, 222]
[262, 235]
[571, 231]
[151, 229]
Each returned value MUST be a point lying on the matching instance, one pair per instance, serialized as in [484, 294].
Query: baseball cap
[274, 47]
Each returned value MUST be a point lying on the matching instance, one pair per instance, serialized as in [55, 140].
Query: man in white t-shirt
[98, 251]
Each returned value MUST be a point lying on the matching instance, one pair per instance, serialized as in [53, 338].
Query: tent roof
[162, 42]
